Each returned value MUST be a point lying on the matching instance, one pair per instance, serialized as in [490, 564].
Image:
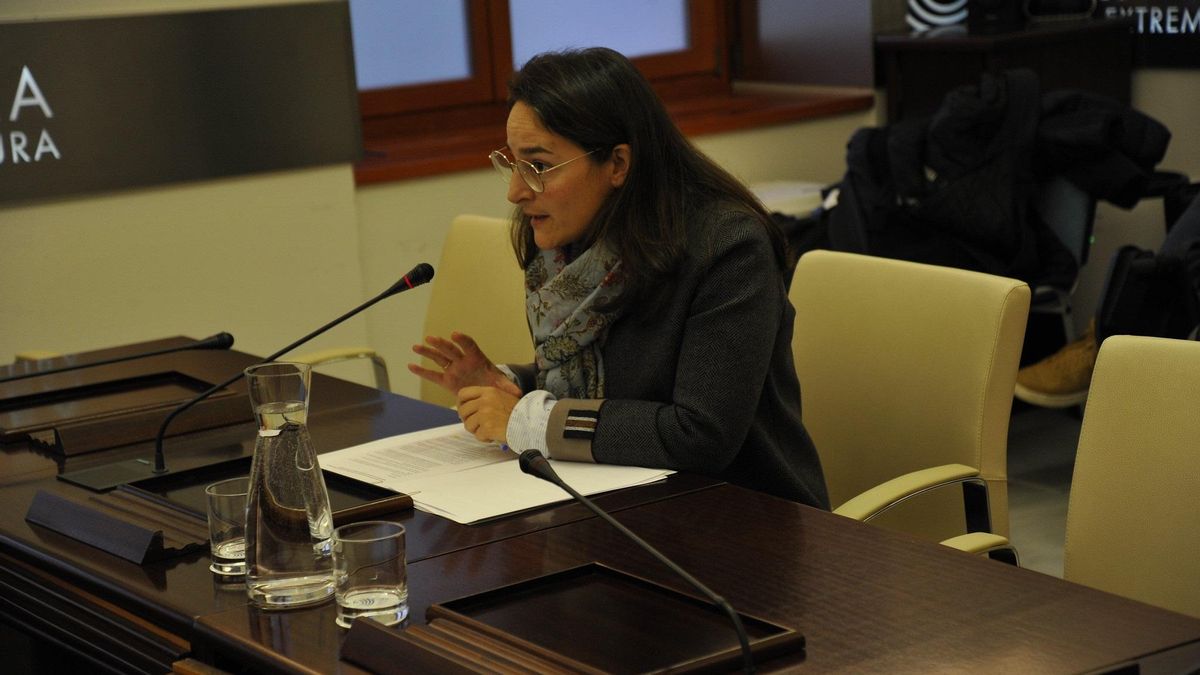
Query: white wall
[267, 258]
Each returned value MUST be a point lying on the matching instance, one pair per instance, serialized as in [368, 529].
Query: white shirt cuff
[529, 420]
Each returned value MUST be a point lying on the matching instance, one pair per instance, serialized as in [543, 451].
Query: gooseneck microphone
[534, 463]
[418, 275]
[218, 341]
[104, 478]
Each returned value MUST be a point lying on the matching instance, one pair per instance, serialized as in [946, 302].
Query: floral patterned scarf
[561, 297]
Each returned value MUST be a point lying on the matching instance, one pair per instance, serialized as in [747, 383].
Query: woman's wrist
[504, 374]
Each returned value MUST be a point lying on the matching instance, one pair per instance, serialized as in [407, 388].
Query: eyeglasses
[529, 172]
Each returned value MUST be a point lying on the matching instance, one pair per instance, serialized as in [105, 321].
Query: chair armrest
[36, 355]
[334, 354]
[993, 546]
[977, 542]
[886, 495]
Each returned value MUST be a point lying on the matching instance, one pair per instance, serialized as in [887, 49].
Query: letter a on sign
[28, 94]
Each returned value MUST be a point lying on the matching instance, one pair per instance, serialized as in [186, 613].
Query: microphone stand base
[106, 477]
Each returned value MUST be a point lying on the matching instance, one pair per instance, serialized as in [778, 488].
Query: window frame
[478, 88]
[490, 43]
[422, 130]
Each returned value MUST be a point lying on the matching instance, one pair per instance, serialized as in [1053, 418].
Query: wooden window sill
[460, 140]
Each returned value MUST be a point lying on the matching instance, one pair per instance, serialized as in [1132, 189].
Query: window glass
[403, 42]
[632, 27]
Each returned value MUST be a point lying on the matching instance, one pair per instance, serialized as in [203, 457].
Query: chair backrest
[1133, 522]
[904, 366]
[479, 290]
[1069, 212]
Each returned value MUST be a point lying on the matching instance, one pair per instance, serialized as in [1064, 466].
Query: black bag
[1147, 294]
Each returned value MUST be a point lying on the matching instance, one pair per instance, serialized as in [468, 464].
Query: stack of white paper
[448, 472]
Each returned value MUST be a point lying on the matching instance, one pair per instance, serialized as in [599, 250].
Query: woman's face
[561, 213]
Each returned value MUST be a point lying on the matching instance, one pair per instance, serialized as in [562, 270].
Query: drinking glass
[370, 576]
[227, 525]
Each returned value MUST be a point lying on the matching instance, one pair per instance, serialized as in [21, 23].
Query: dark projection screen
[104, 104]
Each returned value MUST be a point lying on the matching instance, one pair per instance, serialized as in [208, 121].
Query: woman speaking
[654, 285]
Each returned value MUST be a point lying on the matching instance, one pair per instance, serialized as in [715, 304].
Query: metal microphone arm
[419, 275]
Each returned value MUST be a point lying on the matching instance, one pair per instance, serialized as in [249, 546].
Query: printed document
[449, 473]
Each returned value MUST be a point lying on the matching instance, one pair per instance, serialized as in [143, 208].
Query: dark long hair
[597, 99]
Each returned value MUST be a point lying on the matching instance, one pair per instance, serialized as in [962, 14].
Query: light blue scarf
[561, 298]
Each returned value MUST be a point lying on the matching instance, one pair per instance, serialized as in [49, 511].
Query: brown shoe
[1060, 380]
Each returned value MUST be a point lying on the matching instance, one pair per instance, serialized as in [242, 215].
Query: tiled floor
[1041, 456]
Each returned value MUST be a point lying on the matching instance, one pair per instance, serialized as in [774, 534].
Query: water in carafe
[289, 524]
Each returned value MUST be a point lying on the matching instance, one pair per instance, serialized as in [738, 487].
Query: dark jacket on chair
[957, 189]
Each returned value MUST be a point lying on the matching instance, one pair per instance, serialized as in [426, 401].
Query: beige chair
[1133, 522]
[479, 290]
[907, 373]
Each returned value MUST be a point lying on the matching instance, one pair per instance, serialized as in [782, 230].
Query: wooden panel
[115, 404]
[920, 68]
[693, 104]
[83, 624]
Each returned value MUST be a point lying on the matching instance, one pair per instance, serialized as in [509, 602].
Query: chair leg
[1004, 555]
[1068, 319]
[381, 373]
[975, 503]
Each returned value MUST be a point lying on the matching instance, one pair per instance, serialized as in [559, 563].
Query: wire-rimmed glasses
[528, 171]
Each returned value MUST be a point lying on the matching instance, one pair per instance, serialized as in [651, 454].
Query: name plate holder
[587, 619]
[136, 538]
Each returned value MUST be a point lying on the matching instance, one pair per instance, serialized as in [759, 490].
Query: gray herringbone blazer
[707, 383]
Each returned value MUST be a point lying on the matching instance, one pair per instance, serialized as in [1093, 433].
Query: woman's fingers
[437, 357]
[440, 346]
[462, 364]
[443, 345]
[466, 343]
[485, 412]
[426, 374]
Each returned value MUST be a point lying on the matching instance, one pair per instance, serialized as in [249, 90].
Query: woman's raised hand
[462, 364]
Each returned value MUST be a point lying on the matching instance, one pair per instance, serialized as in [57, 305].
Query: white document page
[449, 473]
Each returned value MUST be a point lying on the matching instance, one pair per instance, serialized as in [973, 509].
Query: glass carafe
[289, 525]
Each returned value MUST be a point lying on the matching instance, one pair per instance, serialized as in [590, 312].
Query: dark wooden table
[139, 618]
[867, 600]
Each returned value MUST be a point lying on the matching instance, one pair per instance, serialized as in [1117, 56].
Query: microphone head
[218, 341]
[421, 274]
[534, 463]
[527, 459]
